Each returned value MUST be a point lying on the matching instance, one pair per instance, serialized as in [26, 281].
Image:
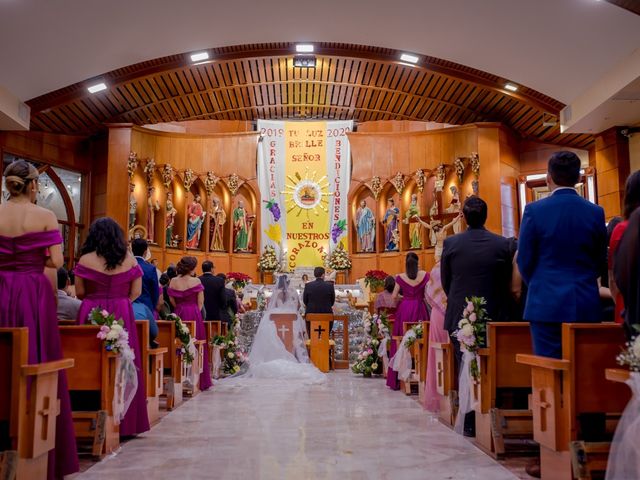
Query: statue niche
[195, 220]
[217, 220]
[365, 225]
[243, 223]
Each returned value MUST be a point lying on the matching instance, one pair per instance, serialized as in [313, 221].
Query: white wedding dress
[269, 358]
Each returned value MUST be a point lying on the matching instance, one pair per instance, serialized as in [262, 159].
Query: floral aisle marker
[471, 335]
[623, 456]
[116, 340]
[402, 361]
[373, 348]
[226, 353]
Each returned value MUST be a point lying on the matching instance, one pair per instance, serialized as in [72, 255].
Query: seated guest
[150, 288]
[385, 298]
[67, 305]
[230, 306]
[142, 312]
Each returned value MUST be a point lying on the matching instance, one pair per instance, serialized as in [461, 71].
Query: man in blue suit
[150, 284]
[561, 248]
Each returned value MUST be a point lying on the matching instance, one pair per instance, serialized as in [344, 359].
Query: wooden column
[489, 153]
[117, 198]
[612, 169]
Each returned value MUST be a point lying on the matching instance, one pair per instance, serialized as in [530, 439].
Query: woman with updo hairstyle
[187, 297]
[411, 306]
[29, 242]
[108, 277]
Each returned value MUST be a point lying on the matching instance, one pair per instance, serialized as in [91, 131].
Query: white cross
[283, 331]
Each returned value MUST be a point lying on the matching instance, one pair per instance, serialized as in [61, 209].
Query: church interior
[271, 139]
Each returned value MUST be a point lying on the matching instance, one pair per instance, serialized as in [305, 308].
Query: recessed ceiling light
[304, 48]
[200, 56]
[98, 87]
[511, 86]
[407, 57]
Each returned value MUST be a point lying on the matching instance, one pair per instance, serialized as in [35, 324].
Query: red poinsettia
[239, 279]
[374, 279]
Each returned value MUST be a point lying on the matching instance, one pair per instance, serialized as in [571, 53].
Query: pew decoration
[116, 340]
[227, 355]
[374, 345]
[624, 458]
[471, 334]
[418, 331]
[187, 350]
[402, 361]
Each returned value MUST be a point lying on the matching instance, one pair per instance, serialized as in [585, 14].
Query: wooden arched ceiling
[259, 81]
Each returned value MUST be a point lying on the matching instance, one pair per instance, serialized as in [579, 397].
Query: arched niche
[179, 194]
[153, 210]
[362, 193]
[388, 192]
[139, 195]
[222, 194]
[192, 210]
[247, 195]
[408, 224]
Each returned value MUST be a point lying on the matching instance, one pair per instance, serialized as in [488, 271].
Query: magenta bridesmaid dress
[111, 292]
[187, 309]
[410, 309]
[27, 300]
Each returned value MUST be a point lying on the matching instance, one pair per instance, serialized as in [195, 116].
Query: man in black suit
[230, 304]
[214, 294]
[319, 296]
[475, 263]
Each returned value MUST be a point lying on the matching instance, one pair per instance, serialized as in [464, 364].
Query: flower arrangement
[376, 330]
[458, 164]
[630, 356]
[240, 280]
[339, 259]
[274, 208]
[475, 164]
[268, 261]
[188, 348]
[112, 331]
[419, 332]
[233, 357]
[472, 329]
[374, 279]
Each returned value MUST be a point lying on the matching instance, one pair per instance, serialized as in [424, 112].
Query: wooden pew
[152, 364]
[412, 386]
[212, 328]
[501, 374]
[196, 368]
[564, 390]
[446, 382]
[28, 406]
[589, 458]
[91, 387]
[172, 381]
[284, 329]
[421, 357]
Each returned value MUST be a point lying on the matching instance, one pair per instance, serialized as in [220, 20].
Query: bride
[269, 357]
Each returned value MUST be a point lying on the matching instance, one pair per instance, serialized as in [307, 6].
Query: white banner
[304, 173]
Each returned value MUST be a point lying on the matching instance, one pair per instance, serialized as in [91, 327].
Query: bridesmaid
[187, 297]
[437, 299]
[108, 277]
[29, 242]
[410, 309]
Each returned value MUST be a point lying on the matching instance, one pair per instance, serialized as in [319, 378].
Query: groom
[319, 295]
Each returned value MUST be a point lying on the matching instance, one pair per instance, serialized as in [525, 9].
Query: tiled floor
[349, 428]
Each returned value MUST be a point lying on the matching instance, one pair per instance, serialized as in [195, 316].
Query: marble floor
[349, 428]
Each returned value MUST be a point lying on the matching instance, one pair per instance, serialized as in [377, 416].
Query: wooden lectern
[284, 328]
[319, 337]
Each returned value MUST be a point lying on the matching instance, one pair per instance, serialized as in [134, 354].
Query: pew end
[445, 381]
[29, 406]
[152, 364]
[172, 364]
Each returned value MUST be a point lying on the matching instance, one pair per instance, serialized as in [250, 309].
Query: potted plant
[239, 280]
[374, 279]
[267, 264]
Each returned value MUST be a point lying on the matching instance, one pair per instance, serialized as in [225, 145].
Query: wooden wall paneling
[221, 262]
[392, 263]
[509, 172]
[489, 154]
[119, 147]
[361, 263]
[613, 165]
[246, 263]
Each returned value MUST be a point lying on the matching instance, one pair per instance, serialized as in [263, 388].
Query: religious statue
[170, 220]
[454, 207]
[475, 188]
[217, 219]
[152, 208]
[240, 228]
[366, 227]
[195, 219]
[414, 228]
[390, 221]
[133, 205]
[438, 233]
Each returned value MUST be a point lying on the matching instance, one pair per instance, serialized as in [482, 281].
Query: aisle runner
[304, 171]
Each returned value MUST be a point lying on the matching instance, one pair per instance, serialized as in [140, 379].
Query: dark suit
[476, 263]
[563, 243]
[214, 295]
[319, 297]
[150, 285]
[229, 306]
